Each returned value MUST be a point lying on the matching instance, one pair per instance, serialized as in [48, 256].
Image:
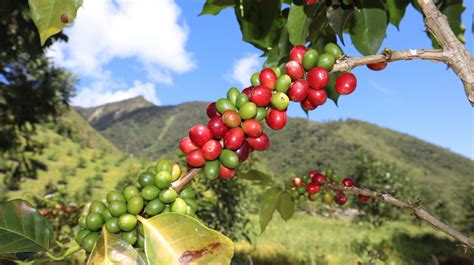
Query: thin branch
[346, 63]
[416, 210]
[179, 184]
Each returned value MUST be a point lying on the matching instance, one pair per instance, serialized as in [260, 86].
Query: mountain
[154, 131]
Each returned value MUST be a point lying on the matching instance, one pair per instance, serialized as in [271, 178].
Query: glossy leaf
[259, 177]
[173, 238]
[269, 204]
[286, 205]
[51, 16]
[22, 228]
[297, 25]
[260, 22]
[338, 18]
[214, 7]
[369, 26]
[111, 249]
[280, 51]
[396, 9]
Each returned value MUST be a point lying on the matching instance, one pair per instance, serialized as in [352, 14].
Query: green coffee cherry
[229, 158]
[146, 179]
[248, 111]
[241, 100]
[261, 114]
[163, 179]
[179, 206]
[310, 59]
[163, 165]
[115, 196]
[112, 225]
[326, 61]
[211, 169]
[82, 222]
[130, 237]
[255, 79]
[168, 195]
[81, 235]
[167, 209]
[130, 191]
[187, 193]
[154, 207]
[97, 207]
[333, 49]
[175, 172]
[127, 222]
[141, 241]
[117, 208]
[135, 205]
[94, 221]
[283, 83]
[151, 169]
[90, 240]
[106, 215]
[232, 95]
[224, 105]
[150, 192]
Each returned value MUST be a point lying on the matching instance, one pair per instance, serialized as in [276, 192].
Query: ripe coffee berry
[186, 145]
[297, 53]
[318, 78]
[363, 198]
[347, 182]
[268, 78]
[212, 110]
[195, 158]
[200, 134]
[252, 128]
[211, 150]
[260, 143]
[248, 91]
[307, 105]
[297, 182]
[261, 96]
[217, 127]
[312, 188]
[377, 66]
[298, 90]
[346, 83]
[318, 178]
[341, 198]
[225, 172]
[276, 119]
[233, 139]
[231, 118]
[244, 151]
[294, 69]
[317, 97]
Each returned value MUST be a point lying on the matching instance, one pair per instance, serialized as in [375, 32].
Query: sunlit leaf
[338, 18]
[286, 205]
[22, 228]
[111, 249]
[173, 238]
[369, 26]
[214, 7]
[269, 204]
[51, 16]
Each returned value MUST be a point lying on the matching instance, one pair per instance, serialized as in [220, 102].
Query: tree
[32, 90]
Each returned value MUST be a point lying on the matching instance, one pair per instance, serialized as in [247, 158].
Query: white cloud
[102, 92]
[382, 89]
[243, 68]
[148, 31]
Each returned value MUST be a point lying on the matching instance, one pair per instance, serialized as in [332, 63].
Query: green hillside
[153, 131]
[76, 154]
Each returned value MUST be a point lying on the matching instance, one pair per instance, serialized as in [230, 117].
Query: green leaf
[22, 228]
[286, 205]
[369, 26]
[396, 9]
[214, 7]
[261, 178]
[280, 51]
[175, 239]
[331, 89]
[270, 202]
[453, 10]
[51, 16]
[111, 249]
[297, 25]
[260, 22]
[338, 18]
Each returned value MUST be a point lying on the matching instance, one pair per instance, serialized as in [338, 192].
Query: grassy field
[315, 240]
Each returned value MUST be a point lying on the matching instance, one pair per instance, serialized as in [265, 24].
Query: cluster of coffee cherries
[236, 122]
[153, 196]
[314, 185]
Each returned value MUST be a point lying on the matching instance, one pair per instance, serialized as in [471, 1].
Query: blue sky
[173, 56]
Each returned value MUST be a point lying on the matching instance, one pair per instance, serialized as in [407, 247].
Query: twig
[179, 184]
[454, 53]
[416, 210]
